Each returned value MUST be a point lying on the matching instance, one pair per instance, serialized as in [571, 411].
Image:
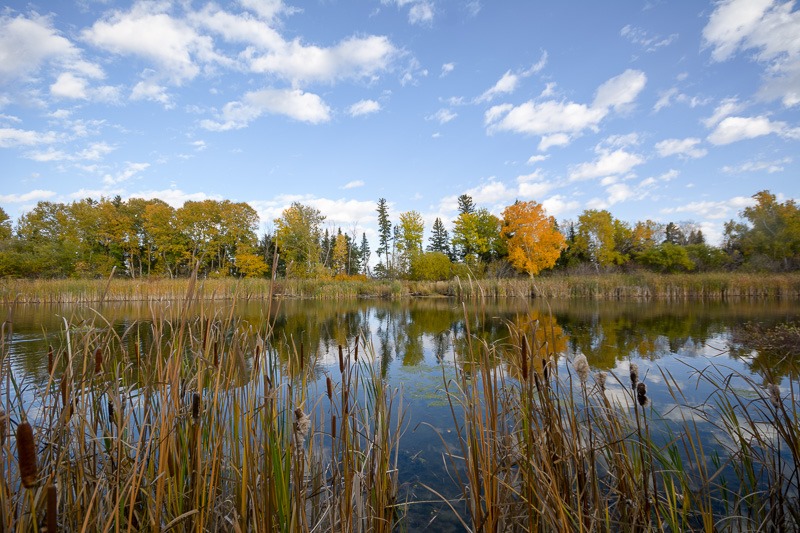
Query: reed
[610, 286]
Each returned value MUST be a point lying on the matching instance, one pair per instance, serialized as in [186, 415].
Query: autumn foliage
[532, 238]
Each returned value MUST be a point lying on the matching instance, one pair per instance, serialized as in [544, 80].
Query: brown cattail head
[98, 361]
[634, 375]
[329, 385]
[52, 508]
[50, 360]
[216, 353]
[524, 358]
[3, 427]
[355, 354]
[195, 406]
[333, 427]
[64, 392]
[641, 394]
[26, 455]
[111, 417]
[341, 359]
[546, 369]
[774, 395]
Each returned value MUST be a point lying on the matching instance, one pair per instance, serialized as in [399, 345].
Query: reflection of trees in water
[770, 348]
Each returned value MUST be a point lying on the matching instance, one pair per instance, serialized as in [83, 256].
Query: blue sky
[672, 111]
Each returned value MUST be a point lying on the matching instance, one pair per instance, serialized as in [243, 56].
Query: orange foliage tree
[532, 238]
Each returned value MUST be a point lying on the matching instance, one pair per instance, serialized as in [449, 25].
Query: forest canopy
[142, 238]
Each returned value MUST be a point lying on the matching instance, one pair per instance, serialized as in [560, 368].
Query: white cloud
[712, 210]
[608, 164]
[130, 170]
[94, 152]
[620, 91]
[447, 68]
[557, 205]
[507, 84]
[26, 44]
[364, 107]
[726, 108]
[770, 167]
[732, 129]
[650, 43]
[768, 27]
[267, 9]
[199, 145]
[421, 13]
[69, 86]
[32, 196]
[152, 91]
[558, 121]
[355, 58]
[148, 31]
[295, 104]
[532, 160]
[14, 137]
[442, 116]
[685, 148]
[353, 184]
[174, 197]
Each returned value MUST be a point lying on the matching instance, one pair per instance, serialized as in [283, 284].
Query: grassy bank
[191, 424]
[600, 287]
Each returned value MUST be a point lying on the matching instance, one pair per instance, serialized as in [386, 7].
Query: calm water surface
[416, 340]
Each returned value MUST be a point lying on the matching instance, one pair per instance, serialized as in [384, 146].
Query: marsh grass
[541, 447]
[637, 286]
[195, 424]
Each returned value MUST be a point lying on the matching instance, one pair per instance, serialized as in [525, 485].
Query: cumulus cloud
[94, 152]
[174, 197]
[726, 108]
[364, 107]
[732, 129]
[559, 121]
[295, 104]
[712, 210]
[767, 27]
[129, 171]
[684, 148]
[447, 68]
[32, 196]
[10, 137]
[609, 163]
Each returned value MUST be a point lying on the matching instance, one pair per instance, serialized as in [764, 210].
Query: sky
[663, 110]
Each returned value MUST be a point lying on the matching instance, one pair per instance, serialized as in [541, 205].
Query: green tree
[439, 240]
[297, 235]
[666, 257]
[5, 225]
[773, 230]
[476, 237]
[595, 239]
[384, 237]
[363, 254]
[340, 253]
[430, 266]
[465, 205]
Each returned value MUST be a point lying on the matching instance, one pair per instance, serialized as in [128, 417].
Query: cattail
[50, 360]
[26, 455]
[329, 385]
[581, 366]
[98, 361]
[195, 406]
[111, 417]
[774, 395]
[341, 360]
[258, 353]
[345, 400]
[634, 375]
[3, 422]
[64, 392]
[641, 394]
[355, 356]
[546, 369]
[600, 379]
[524, 358]
[52, 508]
[302, 425]
[333, 427]
[302, 357]
[216, 353]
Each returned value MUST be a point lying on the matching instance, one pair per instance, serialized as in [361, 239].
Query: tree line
[141, 238]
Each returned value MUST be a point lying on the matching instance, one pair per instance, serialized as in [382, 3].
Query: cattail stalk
[52, 509]
[26, 455]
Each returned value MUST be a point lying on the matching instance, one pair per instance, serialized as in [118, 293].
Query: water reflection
[418, 332]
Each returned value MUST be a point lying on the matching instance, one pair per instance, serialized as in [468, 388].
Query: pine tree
[364, 254]
[384, 233]
[465, 205]
[439, 240]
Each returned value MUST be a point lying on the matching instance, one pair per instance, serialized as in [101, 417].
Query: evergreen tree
[439, 240]
[363, 254]
[465, 205]
[384, 233]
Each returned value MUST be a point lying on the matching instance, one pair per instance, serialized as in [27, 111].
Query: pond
[417, 346]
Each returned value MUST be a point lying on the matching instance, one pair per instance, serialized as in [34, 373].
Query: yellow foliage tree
[532, 238]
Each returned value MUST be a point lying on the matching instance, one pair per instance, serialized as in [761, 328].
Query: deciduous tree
[533, 241]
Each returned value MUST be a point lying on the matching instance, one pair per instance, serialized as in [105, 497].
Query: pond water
[416, 340]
